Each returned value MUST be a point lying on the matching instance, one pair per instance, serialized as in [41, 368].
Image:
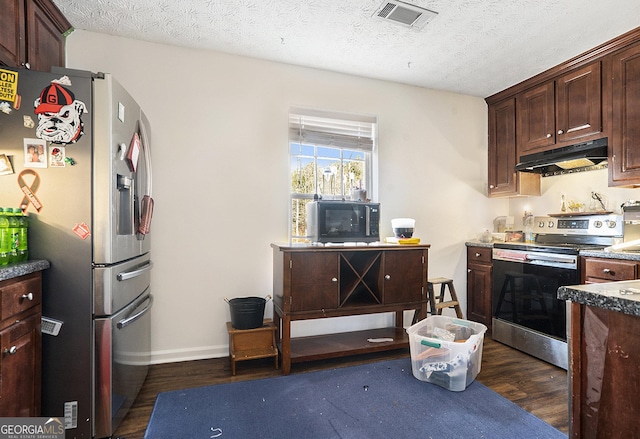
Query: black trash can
[247, 312]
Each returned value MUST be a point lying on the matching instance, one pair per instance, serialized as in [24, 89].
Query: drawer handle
[477, 255]
[334, 279]
[11, 351]
[28, 296]
[607, 270]
[387, 277]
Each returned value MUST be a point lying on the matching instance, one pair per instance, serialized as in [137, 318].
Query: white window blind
[339, 130]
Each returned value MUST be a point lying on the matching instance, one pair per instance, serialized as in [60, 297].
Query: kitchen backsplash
[577, 189]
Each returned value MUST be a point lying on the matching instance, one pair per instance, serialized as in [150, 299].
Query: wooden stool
[436, 307]
[251, 344]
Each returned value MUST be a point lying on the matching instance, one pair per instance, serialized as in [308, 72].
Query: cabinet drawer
[610, 270]
[479, 254]
[18, 295]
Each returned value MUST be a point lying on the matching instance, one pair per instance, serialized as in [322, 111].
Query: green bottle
[4, 238]
[23, 242]
[14, 235]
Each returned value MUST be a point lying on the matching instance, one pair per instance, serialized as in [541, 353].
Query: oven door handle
[511, 258]
[129, 320]
[569, 260]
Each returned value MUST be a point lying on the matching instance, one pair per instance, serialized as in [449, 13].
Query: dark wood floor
[534, 385]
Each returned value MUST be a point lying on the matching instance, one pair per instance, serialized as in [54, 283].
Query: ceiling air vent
[405, 14]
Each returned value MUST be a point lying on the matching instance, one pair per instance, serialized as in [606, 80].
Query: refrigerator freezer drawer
[115, 286]
[122, 361]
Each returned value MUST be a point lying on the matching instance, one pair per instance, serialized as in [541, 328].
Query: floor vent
[405, 14]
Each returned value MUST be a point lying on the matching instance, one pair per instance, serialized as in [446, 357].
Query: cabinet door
[19, 368]
[404, 274]
[536, 119]
[45, 41]
[579, 104]
[479, 290]
[314, 281]
[624, 144]
[503, 178]
[12, 33]
[502, 148]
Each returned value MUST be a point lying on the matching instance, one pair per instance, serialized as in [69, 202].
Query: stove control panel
[590, 225]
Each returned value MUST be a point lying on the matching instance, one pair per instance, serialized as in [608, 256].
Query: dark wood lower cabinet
[324, 282]
[20, 346]
[479, 285]
[605, 374]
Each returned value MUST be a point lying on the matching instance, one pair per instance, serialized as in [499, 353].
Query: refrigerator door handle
[146, 208]
[129, 320]
[144, 141]
[126, 275]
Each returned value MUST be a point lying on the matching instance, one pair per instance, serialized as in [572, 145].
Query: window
[330, 154]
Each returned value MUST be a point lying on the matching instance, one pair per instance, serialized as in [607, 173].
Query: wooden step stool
[251, 344]
[436, 307]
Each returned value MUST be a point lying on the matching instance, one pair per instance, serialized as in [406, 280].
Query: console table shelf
[323, 282]
[343, 344]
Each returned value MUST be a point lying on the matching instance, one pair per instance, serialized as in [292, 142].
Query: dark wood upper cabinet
[561, 112]
[503, 179]
[593, 95]
[579, 104]
[12, 32]
[32, 34]
[536, 119]
[624, 142]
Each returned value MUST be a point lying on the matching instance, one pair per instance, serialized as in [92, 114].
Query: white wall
[576, 187]
[219, 134]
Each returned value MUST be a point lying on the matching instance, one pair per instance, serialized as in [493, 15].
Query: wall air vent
[405, 14]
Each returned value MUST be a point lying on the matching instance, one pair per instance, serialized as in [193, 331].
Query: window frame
[315, 129]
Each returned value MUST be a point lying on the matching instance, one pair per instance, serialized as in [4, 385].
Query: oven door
[526, 294]
[526, 312]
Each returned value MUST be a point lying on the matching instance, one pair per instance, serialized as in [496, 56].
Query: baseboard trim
[177, 355]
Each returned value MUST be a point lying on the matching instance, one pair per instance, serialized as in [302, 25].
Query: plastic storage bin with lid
[446, 351]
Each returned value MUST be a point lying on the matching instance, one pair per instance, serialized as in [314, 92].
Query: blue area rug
[376, 400]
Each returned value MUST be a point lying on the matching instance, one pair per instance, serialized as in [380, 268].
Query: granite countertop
[21, 268]
[609, 296]
[627, 256]
[479, 244]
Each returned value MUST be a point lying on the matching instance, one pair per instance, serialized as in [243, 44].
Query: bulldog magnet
[59, 113]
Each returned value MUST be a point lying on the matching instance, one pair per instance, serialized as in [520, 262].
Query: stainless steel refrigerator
[75, 156]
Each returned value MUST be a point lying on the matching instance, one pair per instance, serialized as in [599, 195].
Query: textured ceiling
[475, 47]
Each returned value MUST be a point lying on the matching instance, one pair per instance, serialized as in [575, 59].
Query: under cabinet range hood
[574, 158]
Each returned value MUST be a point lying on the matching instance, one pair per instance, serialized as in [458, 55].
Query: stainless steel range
[526, 312]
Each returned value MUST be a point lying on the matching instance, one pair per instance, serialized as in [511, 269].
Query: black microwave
[343, 221]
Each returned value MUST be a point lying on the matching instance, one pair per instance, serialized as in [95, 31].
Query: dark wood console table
[311, 282]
